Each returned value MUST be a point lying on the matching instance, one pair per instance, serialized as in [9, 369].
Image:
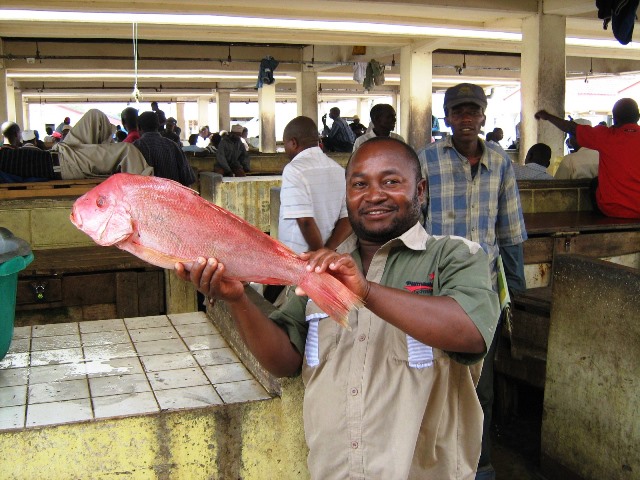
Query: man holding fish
[394, 395]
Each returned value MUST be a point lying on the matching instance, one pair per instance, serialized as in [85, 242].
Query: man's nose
[375, 193]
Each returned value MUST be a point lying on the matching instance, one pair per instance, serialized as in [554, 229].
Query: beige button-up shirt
[379, 404]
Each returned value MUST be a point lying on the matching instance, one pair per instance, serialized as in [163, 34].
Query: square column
[10, 102]
[203, 112]
[267, 105]
[543, 80]
[223, 102]
[22, 118]
[181, 121]
[307, 94]
[416, 80]
[4, 112]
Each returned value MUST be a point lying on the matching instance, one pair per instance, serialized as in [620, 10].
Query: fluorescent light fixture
[598, 43]
[252, 22]
[129, 75]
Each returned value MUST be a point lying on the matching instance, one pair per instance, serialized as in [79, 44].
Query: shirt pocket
[419, 355]
[322, 335]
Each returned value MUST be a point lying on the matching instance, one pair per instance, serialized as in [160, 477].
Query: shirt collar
[487, 152]
[415, 239]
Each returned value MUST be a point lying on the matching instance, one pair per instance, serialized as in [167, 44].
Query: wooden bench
[87, 283]
[51, 188]
[522, 354]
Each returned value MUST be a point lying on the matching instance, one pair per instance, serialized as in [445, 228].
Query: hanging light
[393, 60]
[589, 74]
[229, 56]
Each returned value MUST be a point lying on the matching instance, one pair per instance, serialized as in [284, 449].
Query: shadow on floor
[516, 439]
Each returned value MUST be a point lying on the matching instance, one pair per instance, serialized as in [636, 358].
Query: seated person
[535, 165]
[232, 159]
[163, 154]
[582, 162]
[88, 150]
[192, 147]
[12, 135]
[340, 138]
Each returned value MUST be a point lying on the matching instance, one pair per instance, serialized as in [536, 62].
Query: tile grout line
[144, 371]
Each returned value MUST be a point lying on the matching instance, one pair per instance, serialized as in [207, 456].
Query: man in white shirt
[582, 163]
[383, 117]
[313, 211]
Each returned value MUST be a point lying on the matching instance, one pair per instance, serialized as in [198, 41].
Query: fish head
[104, 214]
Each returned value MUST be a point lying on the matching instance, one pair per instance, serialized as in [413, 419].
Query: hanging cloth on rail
[265, 75]
[621, 14]
[374, 76]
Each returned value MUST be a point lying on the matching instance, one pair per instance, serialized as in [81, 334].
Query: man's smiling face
[465, 120]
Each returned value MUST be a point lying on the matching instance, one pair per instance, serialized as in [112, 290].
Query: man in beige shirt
[394, 397]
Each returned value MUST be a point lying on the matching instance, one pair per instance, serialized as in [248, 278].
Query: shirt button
[362, 337]
[354, 391]
[354, 445]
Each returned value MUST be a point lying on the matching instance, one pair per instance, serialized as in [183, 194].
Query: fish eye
[100, 201]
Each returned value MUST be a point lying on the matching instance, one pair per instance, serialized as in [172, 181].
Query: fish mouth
[75, 218]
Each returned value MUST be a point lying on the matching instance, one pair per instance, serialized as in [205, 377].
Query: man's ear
[484, 120]
[446, 121]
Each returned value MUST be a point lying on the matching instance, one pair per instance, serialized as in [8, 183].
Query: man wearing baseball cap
[473, 194]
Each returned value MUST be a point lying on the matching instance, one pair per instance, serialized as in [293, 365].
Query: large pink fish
[163, 222]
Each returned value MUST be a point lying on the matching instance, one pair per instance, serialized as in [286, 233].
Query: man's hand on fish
[341, 266]
[207, 276]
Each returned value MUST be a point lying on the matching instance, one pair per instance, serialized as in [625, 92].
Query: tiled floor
[73, 372]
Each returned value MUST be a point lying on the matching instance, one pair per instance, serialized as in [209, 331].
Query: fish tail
[332, 296]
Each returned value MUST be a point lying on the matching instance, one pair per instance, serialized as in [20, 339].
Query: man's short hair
[303, 129]
[625, 111]
[378, 109]
[148, 122]
[411, 153]
[129, 116]
[10, 129]
[539, 153]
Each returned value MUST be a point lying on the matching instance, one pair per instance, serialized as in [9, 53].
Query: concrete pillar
[4, 113]
[267, 106]
[203, 112]
[22, 118]
[223, 101]
[10, 100]
[181, 122]
[267, 103]
[362, 109]
[307, 94]
[415, 95]
[542, 79]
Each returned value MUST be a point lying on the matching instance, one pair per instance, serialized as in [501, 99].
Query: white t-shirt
[313, 185]
[370, 134]
[581, 164]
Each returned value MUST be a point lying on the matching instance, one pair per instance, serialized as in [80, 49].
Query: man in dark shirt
[129, 117]
[164, 155]
[162, 118]
[170, 131]
[340, 137]
[231, 157]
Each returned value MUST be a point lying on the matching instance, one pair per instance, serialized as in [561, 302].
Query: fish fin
[332, 296]
[152, 256]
